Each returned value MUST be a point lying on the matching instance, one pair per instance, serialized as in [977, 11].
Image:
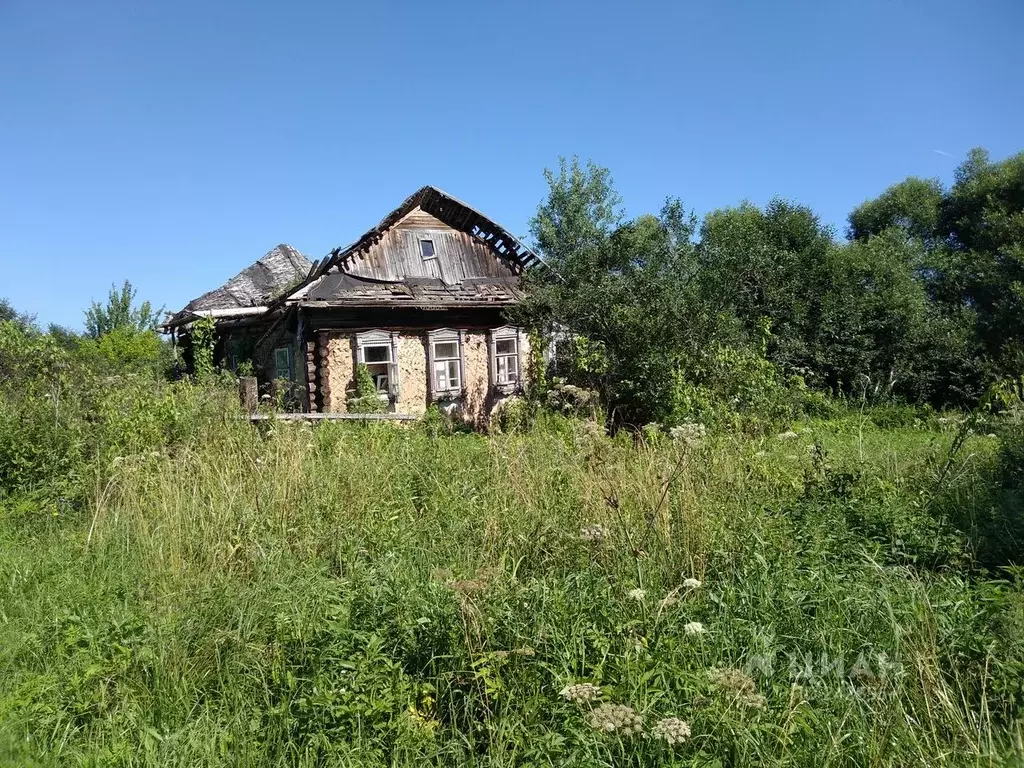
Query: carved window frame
[445, 336]
[389, 340]
[496, 335]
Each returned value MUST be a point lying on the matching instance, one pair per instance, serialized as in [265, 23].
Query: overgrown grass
[384, 596]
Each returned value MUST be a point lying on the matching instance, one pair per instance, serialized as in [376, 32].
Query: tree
[769, 266]
[983, 218]
[119, 312]
[973, 243]
[625, 288]
[913, 206]
[8, 313]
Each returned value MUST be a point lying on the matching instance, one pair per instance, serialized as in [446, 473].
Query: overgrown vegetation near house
[837, 594]
[782, 525]
[751, 308]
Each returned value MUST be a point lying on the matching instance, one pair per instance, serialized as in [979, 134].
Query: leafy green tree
[913, 206]
[973, 240]
[9, 314]
[624, 288]
[772, 265]
[983, 217]
[64, 336]
[120, 312]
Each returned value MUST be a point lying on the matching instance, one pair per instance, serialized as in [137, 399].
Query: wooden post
[248, 393]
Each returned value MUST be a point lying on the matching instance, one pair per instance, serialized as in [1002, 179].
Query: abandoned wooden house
[420, 300]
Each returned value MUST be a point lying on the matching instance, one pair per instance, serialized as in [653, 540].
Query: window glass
[377, 354]
[282, 363]
[446, 349]
[427, 249]
[446, 375]
[505, 346]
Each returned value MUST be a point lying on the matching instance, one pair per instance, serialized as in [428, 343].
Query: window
[505, 367]
[427, 249]
[378, 361]
[447, 375]
[445, 362]
[376, 349]
[283, 363]
[506, 357]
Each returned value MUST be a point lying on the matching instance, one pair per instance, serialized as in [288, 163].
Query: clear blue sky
[173, 143]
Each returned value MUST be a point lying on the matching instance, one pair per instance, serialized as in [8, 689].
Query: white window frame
[506, 333]
[433, 244]
[277, 366]
[445, 336]
[389, 340]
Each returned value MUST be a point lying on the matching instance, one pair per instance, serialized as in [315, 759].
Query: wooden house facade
[420, 300]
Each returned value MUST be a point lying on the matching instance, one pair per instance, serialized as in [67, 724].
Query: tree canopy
[923, 302]
[120, 312]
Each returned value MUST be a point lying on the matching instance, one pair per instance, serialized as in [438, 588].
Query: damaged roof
[278, 270]
[474, 261]
[343, 289]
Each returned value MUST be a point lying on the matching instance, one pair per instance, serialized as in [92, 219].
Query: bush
[365, 398]
[512, 415]
[66, 414]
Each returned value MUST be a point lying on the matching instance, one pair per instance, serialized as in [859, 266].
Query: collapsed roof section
[250, 291]
[471, 261]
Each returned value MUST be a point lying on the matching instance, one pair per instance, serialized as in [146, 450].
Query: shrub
[365, 398]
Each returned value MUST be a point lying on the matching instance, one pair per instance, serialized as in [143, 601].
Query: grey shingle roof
[256, 285]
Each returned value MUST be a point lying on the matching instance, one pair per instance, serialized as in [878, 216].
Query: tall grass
[384, 596]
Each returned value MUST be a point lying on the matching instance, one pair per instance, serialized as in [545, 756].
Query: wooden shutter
[393, 383]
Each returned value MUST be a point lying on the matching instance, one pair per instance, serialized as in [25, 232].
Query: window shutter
[519, 352]
[462, 365]
[492, 358]
[393, 383]
[431, 379]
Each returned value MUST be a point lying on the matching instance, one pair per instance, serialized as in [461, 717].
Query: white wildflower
[753, 700]
[788, 435]
[689, 433]
[691, 583]
[694, 628]
[593, 532]
[616, 718]
[671, 730]
[580, 693]
[637, 594]
[991, 434]
[740, 685]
